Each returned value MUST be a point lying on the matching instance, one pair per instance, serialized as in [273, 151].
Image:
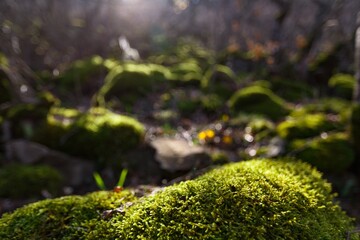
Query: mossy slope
[71, 217]
[258, 199]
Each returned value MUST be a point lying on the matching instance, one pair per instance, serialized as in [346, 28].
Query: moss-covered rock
[131, 80]
[71, 217]
[292, 90]
[304, 126]
[81, 74]
[355, 129]
[220, 79]
[259, 100]
[342, 85]
[331, 153]
[188, 73]
[97, 134]
[258, 199]
[23, 181]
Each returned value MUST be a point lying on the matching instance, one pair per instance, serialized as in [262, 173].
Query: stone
[74, 170]
[178, 155]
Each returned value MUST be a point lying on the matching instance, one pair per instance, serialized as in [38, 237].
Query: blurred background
[49, 34]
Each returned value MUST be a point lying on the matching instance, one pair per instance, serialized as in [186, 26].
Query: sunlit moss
[132, 80]
[23, 181]
[342, 85]
[3, 61]
[96, 134]
[80, 72]
[259, 199]
[259, 100]
[308, 125]
[187, 72]
[331, 153]
[219, 79]
[71, 217]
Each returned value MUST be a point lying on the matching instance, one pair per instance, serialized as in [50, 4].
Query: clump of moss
[220, 80]
[355, 127]
[23, 181]
[71, 217]
[292, 90]
[259, 199]
[259, 100]
[131, 80]
[331, 153]
[342, 85]
[305, 126]
[96, 134]
[188, 72]
[80, 72]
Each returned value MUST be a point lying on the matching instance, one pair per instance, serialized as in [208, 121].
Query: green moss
[355, 127]
[260, 128]
[219, 79]
[212, 103]
[4, 89]
[259, 199]
[3, 61]
[292, 90]
[332, 153]
[259, 100]
[187, 73]
[80, 72]
[25, 118]
[342, 85]
[304, 126]
[219, 158]
[97, 134]
[22, 181]
[132, 80]
[71, 217]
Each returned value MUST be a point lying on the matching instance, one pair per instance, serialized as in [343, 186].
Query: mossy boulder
[97, 134]
[293, 91]
[258, 100]
[220, 80]
[342, 85]
[132, 80]
[24, 181]
[188, 73]
[305, 126]
[258, 199]
[355, 127]
[71, 217]
[331, 153]
[81, 75]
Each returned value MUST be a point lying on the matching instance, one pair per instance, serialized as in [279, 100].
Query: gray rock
[178, 155]
[74, 170]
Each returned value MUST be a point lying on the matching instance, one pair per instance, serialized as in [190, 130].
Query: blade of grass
[122, 178]
[99, 181]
